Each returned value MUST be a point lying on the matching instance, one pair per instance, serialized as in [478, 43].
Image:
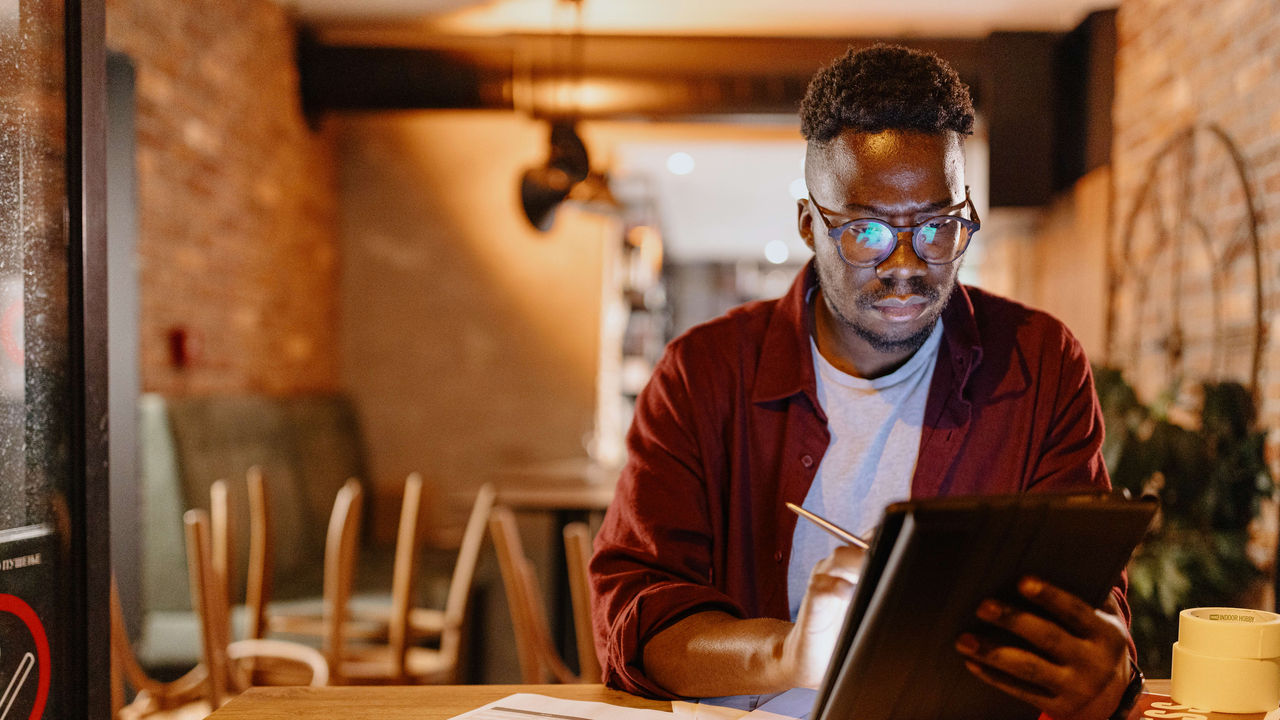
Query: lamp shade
[542, 189]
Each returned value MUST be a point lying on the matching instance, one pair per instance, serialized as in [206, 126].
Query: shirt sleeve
[652, 564]
[1071, 457]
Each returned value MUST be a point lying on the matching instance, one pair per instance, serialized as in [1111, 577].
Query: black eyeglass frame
[971, 225]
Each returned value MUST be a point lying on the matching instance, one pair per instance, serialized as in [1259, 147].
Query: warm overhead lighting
[776, 252]
[680, 163]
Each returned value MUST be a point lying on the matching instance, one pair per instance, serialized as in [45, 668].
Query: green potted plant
[1210, 476]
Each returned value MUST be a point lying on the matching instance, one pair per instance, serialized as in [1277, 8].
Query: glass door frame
[88, 639]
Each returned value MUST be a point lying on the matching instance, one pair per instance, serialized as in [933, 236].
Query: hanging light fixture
[543, 188]
[566, 174]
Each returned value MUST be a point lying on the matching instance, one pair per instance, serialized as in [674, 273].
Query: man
[876, 377]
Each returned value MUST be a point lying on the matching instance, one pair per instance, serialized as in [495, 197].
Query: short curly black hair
[885, 87]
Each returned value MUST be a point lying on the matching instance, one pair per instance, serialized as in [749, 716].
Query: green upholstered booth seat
[307, 446]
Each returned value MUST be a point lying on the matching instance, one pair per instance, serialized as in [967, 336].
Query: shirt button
[806, 460]
[777, 556]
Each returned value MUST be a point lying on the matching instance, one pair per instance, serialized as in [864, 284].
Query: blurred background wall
[237, 244]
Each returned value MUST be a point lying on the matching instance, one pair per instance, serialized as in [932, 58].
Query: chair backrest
[577, 548]
[539, 661]
[221, 552]
[455, 606]
[124, 664]
[218, 651]
[257, 594]
[404, 572]
[340, 550]
[209, 598]
[150, 695]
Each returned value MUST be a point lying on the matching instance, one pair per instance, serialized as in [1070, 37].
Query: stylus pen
[829, 526]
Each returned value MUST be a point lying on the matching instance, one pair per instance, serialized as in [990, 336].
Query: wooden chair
[443, 625]
[259, 573]
[369, 661]
[371, 621]
[220, 656]
[539, 661]
[447, 623]
[181, 698]
[187, 696]
[577, 548]
[307, 621]
[257, 591]
[379, 644]
[398, 660]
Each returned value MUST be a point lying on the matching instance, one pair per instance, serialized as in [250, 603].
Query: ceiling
[938, 18]
[749, 188]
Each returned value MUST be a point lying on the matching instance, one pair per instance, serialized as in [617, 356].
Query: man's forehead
[886, 146]
[894, 156]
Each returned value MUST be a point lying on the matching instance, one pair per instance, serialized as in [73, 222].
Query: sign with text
[27, 592]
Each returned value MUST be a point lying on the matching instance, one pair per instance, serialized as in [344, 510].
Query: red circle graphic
[15, 605]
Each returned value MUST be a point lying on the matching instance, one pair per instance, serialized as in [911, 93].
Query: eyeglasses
[940, 240]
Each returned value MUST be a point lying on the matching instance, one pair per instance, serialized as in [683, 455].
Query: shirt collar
[785, 367]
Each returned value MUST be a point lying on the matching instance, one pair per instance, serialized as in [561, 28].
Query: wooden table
[420, 702]
[574, 485]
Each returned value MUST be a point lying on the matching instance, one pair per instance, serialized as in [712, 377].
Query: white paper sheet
[528, 706]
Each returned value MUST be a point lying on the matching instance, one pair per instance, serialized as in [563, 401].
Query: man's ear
[804, 222]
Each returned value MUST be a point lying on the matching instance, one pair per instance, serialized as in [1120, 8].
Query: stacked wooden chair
[577, 547]
[226, 667]
[539, 661]
[384, 644]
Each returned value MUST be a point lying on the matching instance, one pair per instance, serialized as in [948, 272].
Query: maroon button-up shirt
[729, 428]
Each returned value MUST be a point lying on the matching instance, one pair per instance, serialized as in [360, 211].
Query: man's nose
[903, 261]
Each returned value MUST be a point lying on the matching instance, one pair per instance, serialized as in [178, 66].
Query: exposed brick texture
[1212, 66]
[237, 200]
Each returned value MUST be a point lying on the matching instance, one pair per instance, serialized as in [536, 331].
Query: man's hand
[1080, 665]
[808, 647]
[711, 653]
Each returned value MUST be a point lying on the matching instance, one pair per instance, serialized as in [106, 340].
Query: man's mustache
[909, 286]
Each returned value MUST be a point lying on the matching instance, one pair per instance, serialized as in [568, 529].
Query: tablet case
[932, 562]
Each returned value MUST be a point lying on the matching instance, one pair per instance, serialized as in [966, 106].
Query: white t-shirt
[875, 440]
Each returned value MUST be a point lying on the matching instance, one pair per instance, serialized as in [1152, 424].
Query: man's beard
[911, 286]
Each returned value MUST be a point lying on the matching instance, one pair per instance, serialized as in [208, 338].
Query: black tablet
[931, 563]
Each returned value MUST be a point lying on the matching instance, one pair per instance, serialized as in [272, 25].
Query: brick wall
[1197, 101]
[237, 209]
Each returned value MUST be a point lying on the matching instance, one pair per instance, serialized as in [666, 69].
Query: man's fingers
[832, 584]
[1075, 614]
[812, 639]
[1045, 635]
[1016, 663]
[1074, 655]
[1022, 692]
[844, 563]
